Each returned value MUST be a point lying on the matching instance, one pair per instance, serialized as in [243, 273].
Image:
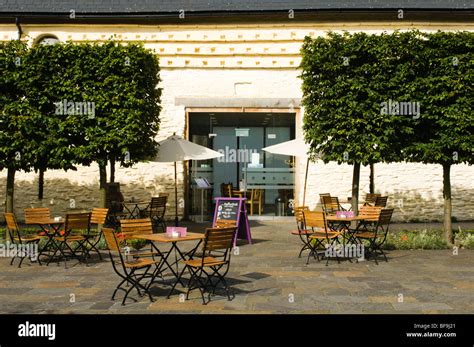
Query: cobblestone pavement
[267, 277]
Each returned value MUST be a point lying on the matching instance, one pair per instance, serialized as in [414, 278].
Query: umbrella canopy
[175, 149]
[297, 148]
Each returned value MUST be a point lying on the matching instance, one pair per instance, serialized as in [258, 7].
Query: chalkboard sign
[228, 210]
[233, 210]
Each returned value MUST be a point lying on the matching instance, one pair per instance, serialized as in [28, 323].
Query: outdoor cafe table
[344, 223]
[50, 227]
[133, 208]
[164, 238]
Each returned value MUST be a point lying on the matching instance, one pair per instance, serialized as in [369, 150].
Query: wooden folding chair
[377, 237]
[131, 227]
[331, 204]
[381, 201]
[64, 241]
[371, 213]
[37, 215]
[226, 189]
[322, 195]
[256, 197]
[132, 271]
[156, 212]
[321, 234]
[116, 210]
[370, 198]
[17, 238]
[301, 230]
[98, 217]
[212, 265]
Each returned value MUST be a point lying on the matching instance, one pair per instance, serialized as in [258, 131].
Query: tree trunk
[40, 184]
[448, 229]
[112, 169]
[355, 188]
[9, 196]
[102, 184]
[175, 196]
[10, 190]
[371, 178]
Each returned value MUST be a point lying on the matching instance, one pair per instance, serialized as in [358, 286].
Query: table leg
[160, 269]
[50, 234]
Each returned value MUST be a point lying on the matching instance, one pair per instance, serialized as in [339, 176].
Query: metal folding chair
[143, 226]
[371, 216]
[93, 237]
[381, 201]
[377, 237]
[67, 238]
[37, 214]
[209, 270]
[322, 195]
[321, 234]
[370, 199]
[132, 270]
[301, 230]
[156, 212]
[17, 238]
[130, 227]
[116, 212]
[331, 204]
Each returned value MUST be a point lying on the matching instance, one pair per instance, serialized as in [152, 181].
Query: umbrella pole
[175, 196]
[305, 181]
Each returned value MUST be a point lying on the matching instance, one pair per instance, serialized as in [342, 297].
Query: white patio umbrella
[296, 148]
[175, 149]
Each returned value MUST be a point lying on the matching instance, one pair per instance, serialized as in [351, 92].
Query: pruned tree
[17, 125]
[444, 132]
[122, 82]
[344, 87]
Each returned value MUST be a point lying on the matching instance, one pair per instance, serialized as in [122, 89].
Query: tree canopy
[404, 96]
[69, 104]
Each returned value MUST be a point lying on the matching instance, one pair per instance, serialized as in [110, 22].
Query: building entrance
[244, 169]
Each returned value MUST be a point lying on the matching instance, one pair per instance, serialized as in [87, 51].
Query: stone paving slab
[267, 277]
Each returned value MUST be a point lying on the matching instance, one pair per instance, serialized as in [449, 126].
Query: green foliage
[136, 243]
[427, 239]
[418, 239]
[18, 136]
[351, 81]
[464, 239]
[346, 78]
[46, 77]
[444, 132]
[117, 82]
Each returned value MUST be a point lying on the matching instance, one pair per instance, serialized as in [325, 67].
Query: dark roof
[109, 7]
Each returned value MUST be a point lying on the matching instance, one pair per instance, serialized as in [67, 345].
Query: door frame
[298, 134]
